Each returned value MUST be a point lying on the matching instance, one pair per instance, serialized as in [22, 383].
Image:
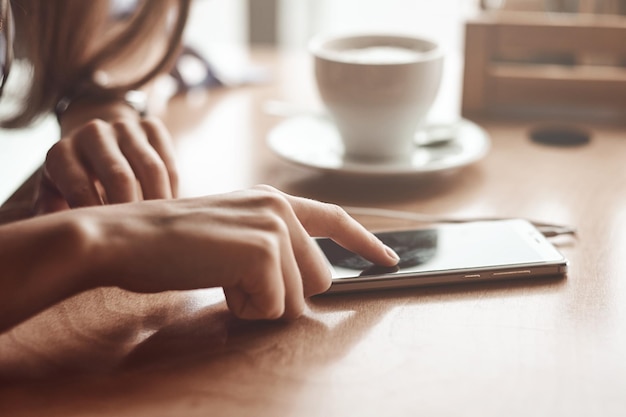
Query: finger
[65, 170]
[313, 271]
[329, 220]
[98, 147]
[144, 160]
[261, 293]
[160, 139]
[276, 291]
[48, 198]
[314, 274]
[291, 275]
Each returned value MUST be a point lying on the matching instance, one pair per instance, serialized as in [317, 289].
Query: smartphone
[451, 253]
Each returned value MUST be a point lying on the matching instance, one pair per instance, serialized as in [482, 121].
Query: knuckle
[338, 215]
[126, 131]
[272, 223]
[92, 134]
[262, 250]
[94, 127]
[266, 188]
[273, 200]
[152, 123]
[264, 246]
[119, 176]
[337, 211]
[153, 166]
[126, 125]
[121, 125]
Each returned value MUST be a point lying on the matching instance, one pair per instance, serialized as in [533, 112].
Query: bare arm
[41, 263]
[254, 243]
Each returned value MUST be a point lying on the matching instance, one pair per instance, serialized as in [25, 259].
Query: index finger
[330, 220]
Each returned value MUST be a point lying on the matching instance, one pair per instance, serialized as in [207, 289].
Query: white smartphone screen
[447, 254]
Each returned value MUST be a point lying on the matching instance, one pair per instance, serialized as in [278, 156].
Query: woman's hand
[255, 244]
[100, 162]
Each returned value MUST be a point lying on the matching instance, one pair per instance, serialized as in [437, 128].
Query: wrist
[46, 260]
[89, 247]
[77, 251]
[72, 112]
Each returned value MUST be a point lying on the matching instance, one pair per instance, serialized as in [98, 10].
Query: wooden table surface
[546, 347]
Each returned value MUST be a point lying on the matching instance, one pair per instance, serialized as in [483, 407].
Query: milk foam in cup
[378, 88]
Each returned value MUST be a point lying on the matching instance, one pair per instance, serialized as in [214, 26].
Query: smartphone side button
[502, 274]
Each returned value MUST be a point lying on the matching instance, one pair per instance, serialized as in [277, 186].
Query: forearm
[43, 261]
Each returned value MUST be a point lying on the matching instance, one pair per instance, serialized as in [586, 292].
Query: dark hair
[69, 45]
[6, 42]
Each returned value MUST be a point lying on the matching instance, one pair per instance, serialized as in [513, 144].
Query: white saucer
[314, 142]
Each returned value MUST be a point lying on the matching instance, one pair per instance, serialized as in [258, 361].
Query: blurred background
[291, 23]
[551, 53]
[218, 25]
[222, 31]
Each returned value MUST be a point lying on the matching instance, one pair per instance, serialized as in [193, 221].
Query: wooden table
[545, 347]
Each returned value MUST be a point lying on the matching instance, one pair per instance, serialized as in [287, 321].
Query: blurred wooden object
[537, 63]
[561, 6]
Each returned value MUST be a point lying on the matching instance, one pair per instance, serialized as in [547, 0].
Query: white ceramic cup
[378, 89]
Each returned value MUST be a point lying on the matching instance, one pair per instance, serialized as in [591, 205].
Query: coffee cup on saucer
[378, 89]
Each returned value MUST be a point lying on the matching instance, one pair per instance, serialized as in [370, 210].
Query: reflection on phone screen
[414, 247]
